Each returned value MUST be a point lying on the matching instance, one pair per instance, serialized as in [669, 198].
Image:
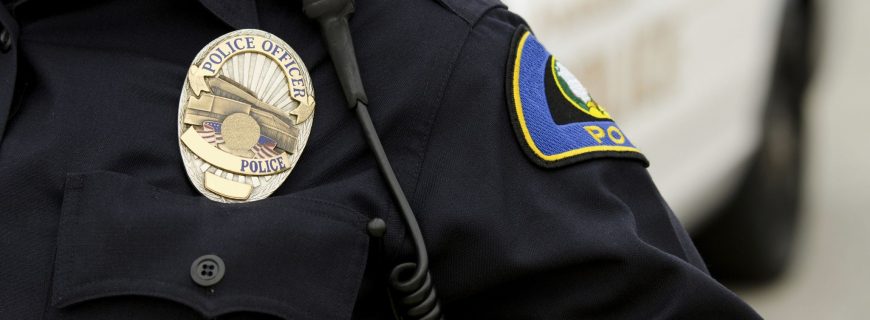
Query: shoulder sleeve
[471, 10]
[512, 239]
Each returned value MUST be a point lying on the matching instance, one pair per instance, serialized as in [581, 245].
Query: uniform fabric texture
[99, 221]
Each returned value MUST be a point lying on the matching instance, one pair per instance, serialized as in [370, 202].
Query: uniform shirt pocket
[285, 256]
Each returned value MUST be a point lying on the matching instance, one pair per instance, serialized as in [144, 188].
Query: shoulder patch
[555, 119]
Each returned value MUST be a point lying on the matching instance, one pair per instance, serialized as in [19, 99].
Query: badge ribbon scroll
[244, 116]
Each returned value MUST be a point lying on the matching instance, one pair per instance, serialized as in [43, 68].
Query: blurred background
[754, 117]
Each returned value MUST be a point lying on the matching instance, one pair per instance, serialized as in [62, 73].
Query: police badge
[244, 116]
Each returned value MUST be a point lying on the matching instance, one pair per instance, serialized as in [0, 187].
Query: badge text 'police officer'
[244, 116]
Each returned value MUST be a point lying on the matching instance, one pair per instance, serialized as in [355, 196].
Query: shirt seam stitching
[435, 114]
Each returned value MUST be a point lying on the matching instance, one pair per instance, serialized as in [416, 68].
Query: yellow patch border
[518, 106]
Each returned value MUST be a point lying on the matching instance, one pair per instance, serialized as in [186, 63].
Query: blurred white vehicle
[710, 91]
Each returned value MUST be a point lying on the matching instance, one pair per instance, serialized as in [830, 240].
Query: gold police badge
[244, 116]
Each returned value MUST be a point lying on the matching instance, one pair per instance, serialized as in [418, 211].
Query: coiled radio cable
[410, 281]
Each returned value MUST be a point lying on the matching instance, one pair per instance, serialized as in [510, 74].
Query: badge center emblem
[244, 116]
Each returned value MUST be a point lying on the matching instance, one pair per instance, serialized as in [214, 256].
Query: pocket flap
[286, 256]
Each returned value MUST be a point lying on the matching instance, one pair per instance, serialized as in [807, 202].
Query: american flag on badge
[211, 133]
[265, 148]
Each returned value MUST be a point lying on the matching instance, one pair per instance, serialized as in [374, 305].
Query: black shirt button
[5, 40]
[377, 227]
[207, 270]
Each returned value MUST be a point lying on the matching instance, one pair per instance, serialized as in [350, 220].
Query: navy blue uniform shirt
[99, 221]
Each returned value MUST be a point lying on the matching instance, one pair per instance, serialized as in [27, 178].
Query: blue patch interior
[549, 137]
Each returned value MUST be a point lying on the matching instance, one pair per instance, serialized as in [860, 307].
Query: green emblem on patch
[574, 92]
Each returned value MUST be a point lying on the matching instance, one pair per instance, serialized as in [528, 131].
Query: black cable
[417, 295]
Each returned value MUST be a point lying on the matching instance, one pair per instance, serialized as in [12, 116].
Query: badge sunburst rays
[269, 80]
